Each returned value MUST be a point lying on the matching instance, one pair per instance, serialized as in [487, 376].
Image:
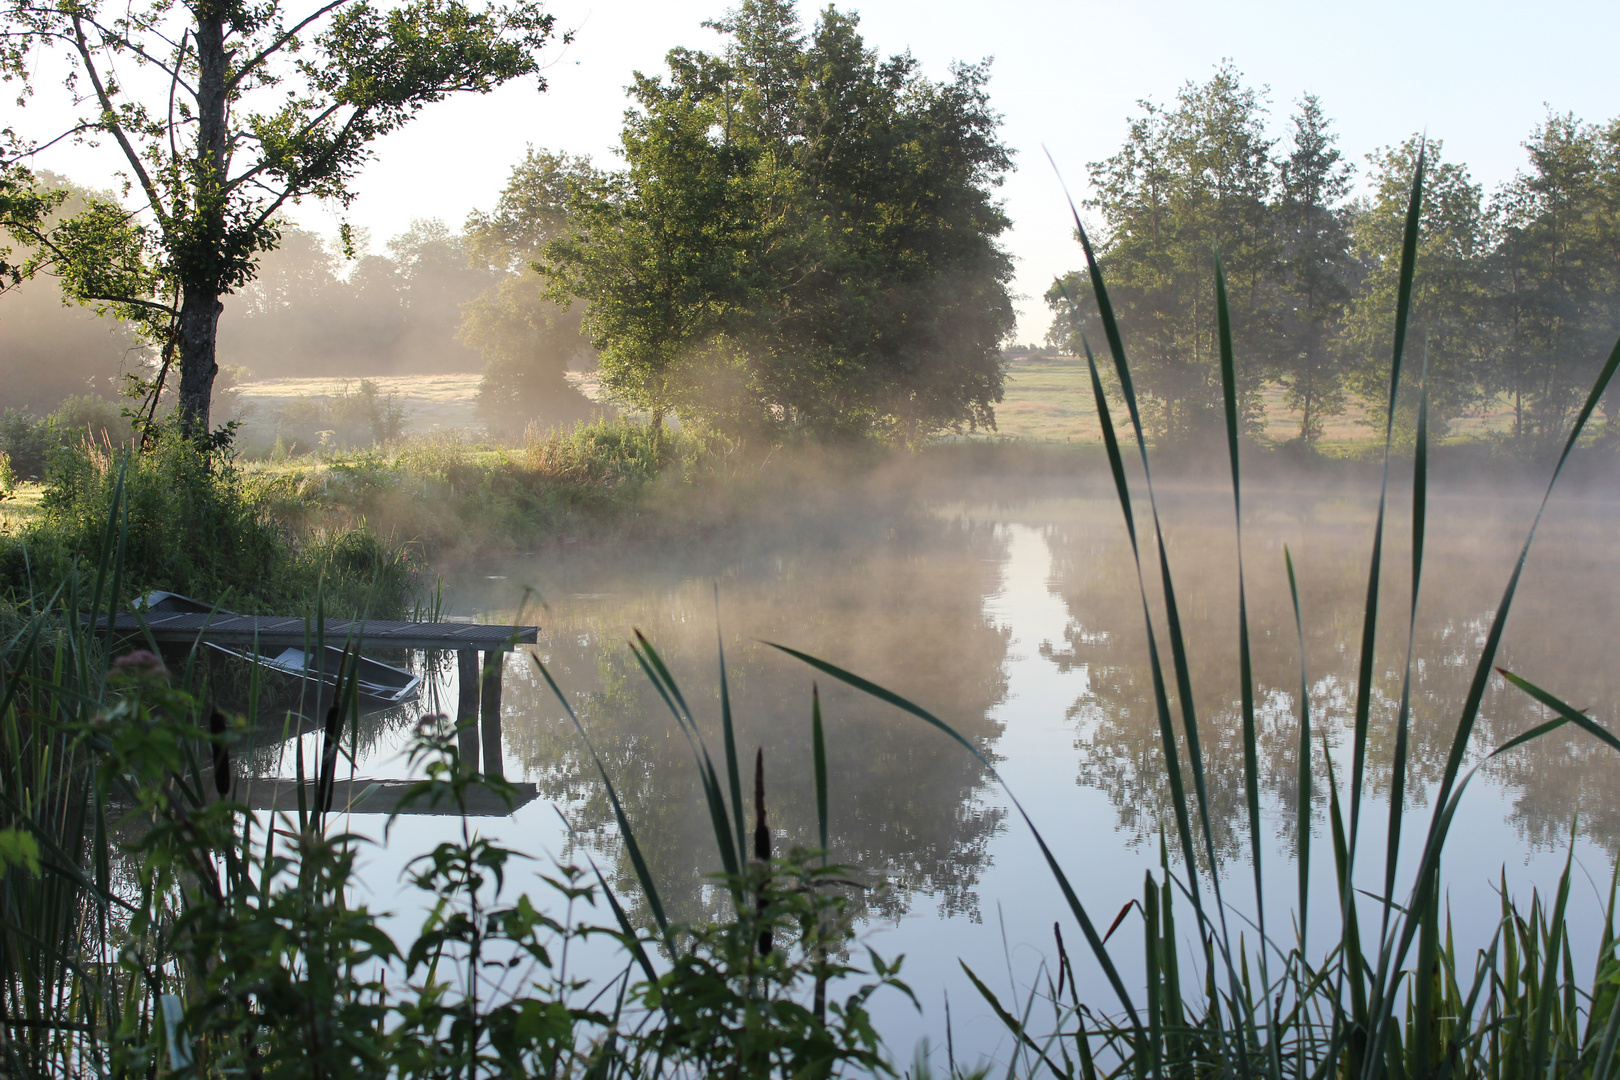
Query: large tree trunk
[199, 330]
[202, 287]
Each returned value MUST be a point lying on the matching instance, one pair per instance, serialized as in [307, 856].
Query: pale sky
[1066, 75]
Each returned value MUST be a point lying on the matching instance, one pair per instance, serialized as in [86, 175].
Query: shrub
[441, 456]
[195, 527]
[29, 440]
[613, 452]
[97, 419]
[360, 416]
[26, 440]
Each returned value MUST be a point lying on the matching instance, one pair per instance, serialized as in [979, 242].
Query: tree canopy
[1189, 180]
[804, 237]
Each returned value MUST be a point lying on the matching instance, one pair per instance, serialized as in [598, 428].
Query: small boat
[381, 686]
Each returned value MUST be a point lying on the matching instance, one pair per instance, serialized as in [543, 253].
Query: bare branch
[123, 41]
[281, 40]
[110, 122]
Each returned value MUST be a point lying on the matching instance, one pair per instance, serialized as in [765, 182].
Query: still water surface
[1019, 622]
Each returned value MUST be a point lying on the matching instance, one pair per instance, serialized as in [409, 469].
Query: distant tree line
[1517, 294]
[431, 301]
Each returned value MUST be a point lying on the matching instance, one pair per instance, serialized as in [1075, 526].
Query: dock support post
[467, 705]
[490, 719]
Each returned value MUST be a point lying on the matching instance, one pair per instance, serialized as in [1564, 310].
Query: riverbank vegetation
[800, 265]
[154, 925]
[190, 521]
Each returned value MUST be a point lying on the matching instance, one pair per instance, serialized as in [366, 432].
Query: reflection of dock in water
[380, 797]
[478, 704]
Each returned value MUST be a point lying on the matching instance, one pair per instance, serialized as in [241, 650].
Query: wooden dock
[381, 797]
[479, 678]
[289, 631]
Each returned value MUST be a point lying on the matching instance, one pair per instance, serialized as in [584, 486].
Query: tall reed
[1393, 997]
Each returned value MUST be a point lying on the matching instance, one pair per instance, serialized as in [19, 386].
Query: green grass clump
[191, 523]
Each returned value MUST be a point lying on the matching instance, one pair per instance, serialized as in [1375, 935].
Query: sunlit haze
[1066, 76]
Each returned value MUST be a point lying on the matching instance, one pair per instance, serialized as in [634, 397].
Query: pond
[1013, 612]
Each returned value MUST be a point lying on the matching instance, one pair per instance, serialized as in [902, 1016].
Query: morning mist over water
[1010, 609]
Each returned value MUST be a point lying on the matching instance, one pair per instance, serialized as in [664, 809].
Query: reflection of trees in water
[905, 611]
[1557, 636]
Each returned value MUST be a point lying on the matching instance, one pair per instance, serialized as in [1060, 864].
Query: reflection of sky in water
[1047, 722]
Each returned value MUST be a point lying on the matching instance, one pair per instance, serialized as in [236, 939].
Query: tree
[1450, 319]
[288, 316]
[225, 111]
[1318, 273]
[527, 338]
[52, 348]
[1188, 180]
[437, 278]
[1557, 273]
[804, 237]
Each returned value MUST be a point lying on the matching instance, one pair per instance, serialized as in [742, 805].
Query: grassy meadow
[1048, 400]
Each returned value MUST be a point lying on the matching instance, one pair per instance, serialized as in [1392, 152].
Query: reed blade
[1178, 649]
[1251, 737]
[1369, 627]
[818, 748]
[1541, 1057]
[1564, 710]
[1397, 784]
[631, 939]
[1450, 782]
[1167, 737]
[1302, 840]
[653, 666]
[733, 775]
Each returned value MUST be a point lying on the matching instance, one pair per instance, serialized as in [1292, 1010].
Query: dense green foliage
[192, 524]
[804, 238]
[1520, 290]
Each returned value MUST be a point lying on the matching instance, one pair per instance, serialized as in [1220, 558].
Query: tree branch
[110, 122]
[265, 166]
[281, 40]
[123, 41]
[151, 304]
